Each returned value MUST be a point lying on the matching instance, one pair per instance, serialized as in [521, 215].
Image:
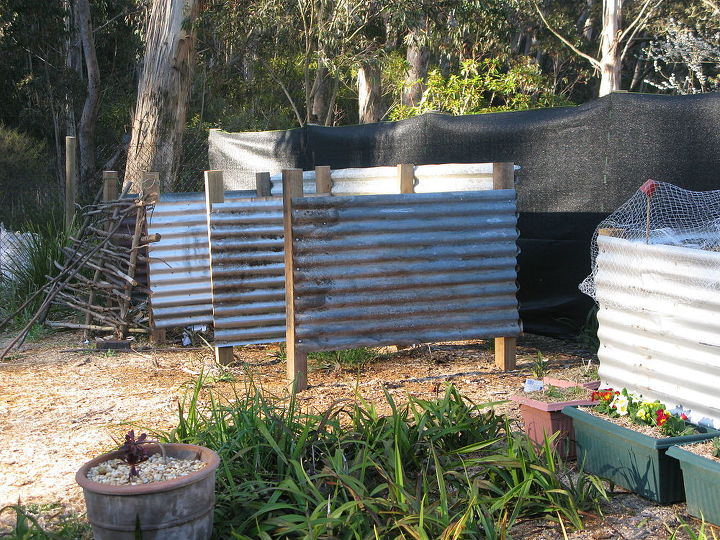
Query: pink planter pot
[542, 418]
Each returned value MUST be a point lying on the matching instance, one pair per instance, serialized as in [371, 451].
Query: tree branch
[593, 61]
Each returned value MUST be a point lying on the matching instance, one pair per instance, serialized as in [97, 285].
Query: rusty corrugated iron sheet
[380, 270]
[248, 283]
[180, 266]
[659, 323]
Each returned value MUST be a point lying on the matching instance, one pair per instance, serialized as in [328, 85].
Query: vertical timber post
[406, 175]
[505, 347]
[296, 360]
[215, 193]
[71, 179]
[323, 181]
[110, 185]
[263, 186]
[151, 185]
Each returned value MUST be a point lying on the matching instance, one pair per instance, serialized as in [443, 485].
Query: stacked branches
[98, 277]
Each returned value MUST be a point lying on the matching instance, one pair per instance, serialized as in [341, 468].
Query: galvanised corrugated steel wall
[659, 323]
[180, 267]
[384, 180]
[248, 282]
[380, 270]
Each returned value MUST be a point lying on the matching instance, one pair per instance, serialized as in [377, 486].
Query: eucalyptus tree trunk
[320, 94]
[368, 80]
[417, 58]
[610, 61]
[163, 92]
[88, 119]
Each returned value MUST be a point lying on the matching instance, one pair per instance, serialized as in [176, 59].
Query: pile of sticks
[97, 278]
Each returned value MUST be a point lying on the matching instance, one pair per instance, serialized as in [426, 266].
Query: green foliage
[348, 358]
[29, 524]
[430, 469]
[689, 532]
[540, 366]
[484, 86]
[616, 404]
[25, 178]
[28, 271]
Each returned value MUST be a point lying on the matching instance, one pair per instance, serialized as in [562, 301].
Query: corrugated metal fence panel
[180, 264]
[248, 281]
[384, 180]
[659, 323]
[380, 270]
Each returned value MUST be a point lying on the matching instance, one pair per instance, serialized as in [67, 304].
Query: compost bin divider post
[215, 193]
[505, 347]
[323, 181]
[406, 176]
[151, 187]
[263, 186]
[71, 179]
[292, 180]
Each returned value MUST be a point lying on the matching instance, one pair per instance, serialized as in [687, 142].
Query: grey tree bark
[88, 119]
[369, 92]
[417, 58]
[610, 61]
[163, 92]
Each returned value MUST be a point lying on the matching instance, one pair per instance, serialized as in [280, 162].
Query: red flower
[684, 416]
[662, 417]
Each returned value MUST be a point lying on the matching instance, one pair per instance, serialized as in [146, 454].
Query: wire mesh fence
[32, 187]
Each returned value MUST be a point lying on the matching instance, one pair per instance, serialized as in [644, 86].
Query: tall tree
[614, 41]
[88, 119]
[163, 92]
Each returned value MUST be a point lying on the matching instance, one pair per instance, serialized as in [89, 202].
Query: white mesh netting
[658, 214]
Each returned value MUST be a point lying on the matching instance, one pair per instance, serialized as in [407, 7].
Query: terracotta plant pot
[632, 460]
[177, 508]
[545, 418]
[562, 383]
[701, 478]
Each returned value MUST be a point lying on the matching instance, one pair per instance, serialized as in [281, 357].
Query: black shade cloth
[578, 165]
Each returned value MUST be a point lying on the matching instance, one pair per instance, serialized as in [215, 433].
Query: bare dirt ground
[59, 407]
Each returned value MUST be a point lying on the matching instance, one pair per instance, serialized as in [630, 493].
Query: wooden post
[323, 181]
[263, 186]
[505, 347]
[151, 185]
[406, 176]
[110, 185]
[71, 179]
[296, 360]
[503, 175]
[215, 193]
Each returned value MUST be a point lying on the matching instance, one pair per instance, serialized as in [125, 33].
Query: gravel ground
[59, 407]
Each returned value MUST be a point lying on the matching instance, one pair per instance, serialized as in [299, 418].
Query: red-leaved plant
[133, 452]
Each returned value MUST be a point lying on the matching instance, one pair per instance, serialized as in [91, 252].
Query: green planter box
[702, 484]
[630, 459]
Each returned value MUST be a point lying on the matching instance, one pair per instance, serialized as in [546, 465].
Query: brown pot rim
[205, 454]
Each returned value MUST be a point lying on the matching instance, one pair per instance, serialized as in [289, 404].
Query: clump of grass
[540, 367]
[337, 360]
[445, 468]
[45, 522]
[553, 393]
[29, 270]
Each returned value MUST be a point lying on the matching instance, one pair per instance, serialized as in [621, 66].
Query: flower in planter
[615, 404]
